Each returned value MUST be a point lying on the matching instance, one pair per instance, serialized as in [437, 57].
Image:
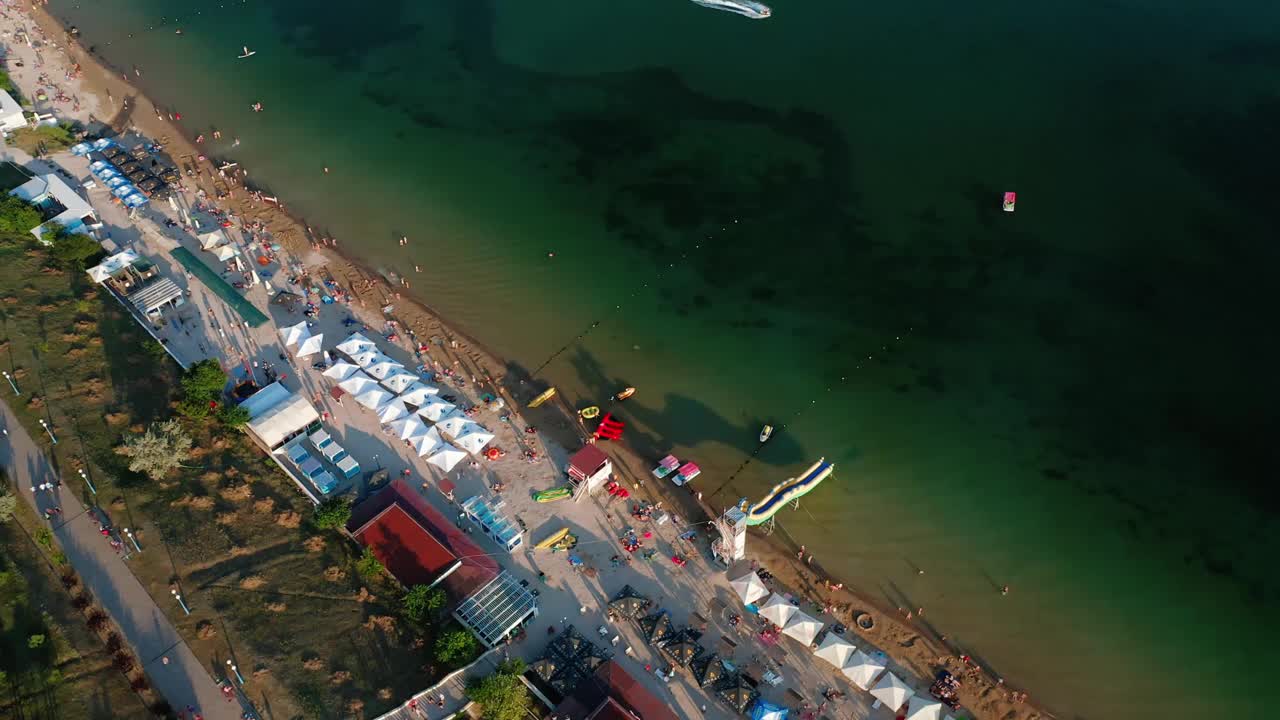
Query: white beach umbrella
[802, 627]
[750, 588]
[923, 708]
[417, 393]
[383, 369]
[835, 650]
[310, 346]
[295, 334]
[892, 691]
[777, 610]
[226, 252]
[434, 408]
[446, 456]
[408, 427]
[862, 669]
[473, 438]
[452, 424]
[368, 357]
[340, 371]
[356, 344]
[427, 442]
[209, 241]
[357, 383]
[374, 397]
[399, 381]
[391, 410]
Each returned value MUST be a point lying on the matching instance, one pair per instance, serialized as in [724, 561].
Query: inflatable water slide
[789, 490]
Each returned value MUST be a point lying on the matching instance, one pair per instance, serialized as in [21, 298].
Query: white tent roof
[341, 370]
[357, 383]
[446, 457]
[310, 346]
[473, 438]
[356, 344]
[275, 414]
[417, 393]
[368, 357]
[409, 426]
[892, 691]
[777, 610]
[802, 627]
[861, 669]
[383, 369]
[835, 650]
[453, 423]
[112, 265]
[434, 408]
[226, 252]
[749, 588]
[391, 410]
[398, 382]
[374, 397]
[295, 334]
[924, 708]
[427, 442]
[211, 240]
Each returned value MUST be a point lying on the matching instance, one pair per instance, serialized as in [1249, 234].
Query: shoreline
[981, 693]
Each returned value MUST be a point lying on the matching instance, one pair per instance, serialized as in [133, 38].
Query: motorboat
[765, 433]
[746, 8]
[257, 107]
[626, 393]
[1010, 201]
[247, 53]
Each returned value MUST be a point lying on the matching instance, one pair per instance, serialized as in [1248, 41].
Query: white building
[11, 115]
[76, 214]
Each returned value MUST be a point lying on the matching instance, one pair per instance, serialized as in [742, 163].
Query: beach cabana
[862, 669]
[310, 346]
[682, 650]
[628, 603]
[417, 393]
[356, 344]
[340, 371]
[374, 397]
[408, 427]
[835, 650]
[656, 628]
[367, 358]
[399, 381]
[473, 438]
[427, 442]
[777, 610]
[707, 669]
[391, 410]
[434, 408]
[225, 252]
[358, 383]
[923, 708]
[446, 456]
[737, 692]
[383, 369]
[892, 691]
[802, 627]
[453, 423]
[295, 334]
[750, 588]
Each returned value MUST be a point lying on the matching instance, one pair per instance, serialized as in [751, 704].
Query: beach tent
[358, 383]
[295, 334]
[473, 438]
[892, 691]
[737, 692]
[399, 381]
[434, 408]
[764, 710]
[777, 610]
[835, 650]
[427, 442]
[383, 368]
[209, 241]
[340, 371]
[374, 397]
[391, 410]
[368, 357]
[356, 344]
[749, 588]
[453, 423]
[135, 200]
[417, 393]
[446, 457]
[862, 669]
[802, 627]
[408, 427]
[924, 708]
[310, 346]
[226, 252]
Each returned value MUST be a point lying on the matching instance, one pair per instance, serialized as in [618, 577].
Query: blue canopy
[124, 190]
[764, 710]
[136, 200]
[101, 143]
[81, 149]
[97, 165]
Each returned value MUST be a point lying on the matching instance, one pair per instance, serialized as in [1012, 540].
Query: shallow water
[797, 221]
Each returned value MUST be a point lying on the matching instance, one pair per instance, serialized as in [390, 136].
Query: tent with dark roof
[682, 649]
[656, 627]
[707, 669]
[629, 603]
[736, 692]
[544, 668]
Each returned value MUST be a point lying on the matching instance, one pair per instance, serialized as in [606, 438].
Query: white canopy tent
[295, 334]
[835, 650]
[446, 456]
[310, 346]
[417, 393]
[473, 438]
[391, 410]
[408, 427]
[399, 381]
[453, 423]
[892, 691]
[368, 357]
[427, 442]
[924, 708]
[434, 408]
[862, 669]
[211, 240]
[777, 610]
[802, 627]
[358, 383]
[374, 397]
[356, 344]
[341, 370]
[383, 369]
[226, 252]
[750, 588]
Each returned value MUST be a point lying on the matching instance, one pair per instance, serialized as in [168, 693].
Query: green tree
[8, 503]
[455, 647]
[501, 696]
[35, 641]
[369, 566]
[17, 215]
[332, 513]
[72, 250]
[233, 416]
[204, 381]
[422, 602]
[158, 451]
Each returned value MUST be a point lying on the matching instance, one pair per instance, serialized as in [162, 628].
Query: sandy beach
[904, 633]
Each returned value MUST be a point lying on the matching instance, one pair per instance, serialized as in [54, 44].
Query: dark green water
[803, 214]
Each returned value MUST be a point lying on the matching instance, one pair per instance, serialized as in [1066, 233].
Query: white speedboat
[765, 433]
[247, 53]
[747, 8]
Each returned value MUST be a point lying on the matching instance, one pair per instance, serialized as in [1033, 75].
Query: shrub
[422, 602]
[501, 695]
[455, 647]
[233, 416]
[332, 513]
[369, 566]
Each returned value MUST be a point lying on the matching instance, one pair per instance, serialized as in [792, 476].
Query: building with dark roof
[589, 466]
[613, 694]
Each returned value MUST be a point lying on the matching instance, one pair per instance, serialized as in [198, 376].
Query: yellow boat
[555, 537]
[545, 396]
[589, 412]
[626, 393]
[555, 493]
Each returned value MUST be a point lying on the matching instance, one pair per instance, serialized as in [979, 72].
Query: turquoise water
[797, 221]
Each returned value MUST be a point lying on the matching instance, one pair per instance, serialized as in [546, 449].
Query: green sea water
[798, 221]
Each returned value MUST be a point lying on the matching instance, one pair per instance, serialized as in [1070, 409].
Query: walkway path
[184, 680]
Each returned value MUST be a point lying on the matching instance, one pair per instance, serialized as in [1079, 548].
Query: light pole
[129, 534]
[12, 384]
[178, 597]
[376, 460]
[235, 670]
[84, 476]
[49, 430]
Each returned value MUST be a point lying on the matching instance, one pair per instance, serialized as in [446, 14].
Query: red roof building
[614, 695]
[591, 466]
[406, 548]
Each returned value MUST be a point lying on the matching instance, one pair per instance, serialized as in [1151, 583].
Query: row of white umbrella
[299, 338]
[860, 668]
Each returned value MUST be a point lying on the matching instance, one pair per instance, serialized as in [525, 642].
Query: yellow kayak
[589, 412]
[555, 537]
[545, 396]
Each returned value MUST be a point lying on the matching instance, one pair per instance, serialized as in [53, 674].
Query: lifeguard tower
[732, 544]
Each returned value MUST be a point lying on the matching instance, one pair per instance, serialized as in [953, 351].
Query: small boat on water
[626, 393]
[544, 396]
[765, 433]
[1010, 200]
[746, 8]
[666, 466]
[589, 412]
[257, 107]
[247, 52]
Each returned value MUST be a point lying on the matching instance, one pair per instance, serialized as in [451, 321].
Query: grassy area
[285, 600]
[68, 672]
[44, 140]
